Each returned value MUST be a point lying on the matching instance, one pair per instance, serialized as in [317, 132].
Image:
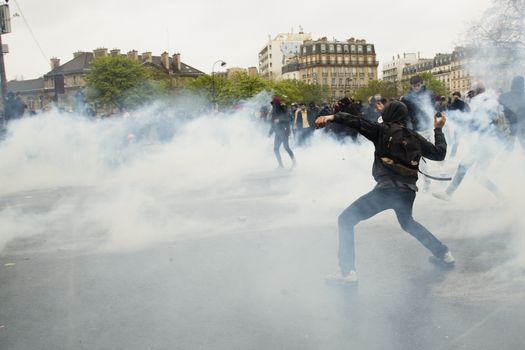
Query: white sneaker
[446, 260]
[442, 195]
[338, 278]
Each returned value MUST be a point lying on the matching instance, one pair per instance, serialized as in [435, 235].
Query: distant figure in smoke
[488, 124]
[396, 178]
[513, 103]
[263, 113]
[14, 106]
[281, 127]
[457, 103]
[420, 104]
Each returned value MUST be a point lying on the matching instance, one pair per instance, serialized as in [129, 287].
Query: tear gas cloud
[154, 177]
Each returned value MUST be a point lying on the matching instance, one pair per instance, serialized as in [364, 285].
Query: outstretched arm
[368, 129]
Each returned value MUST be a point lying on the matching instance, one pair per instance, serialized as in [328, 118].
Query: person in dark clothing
[513, 103]
[458, 104]
[263, 113]
[281, 127]
[14, 106]
[393, 190]
[325, 110]
[419, 102]
[340, 130]
[313, 109]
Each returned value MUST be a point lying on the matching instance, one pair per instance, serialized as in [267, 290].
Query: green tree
[243, 86]
[384, 88]
[299, 91]
[432, 84]
[246, 86]
[120, 82]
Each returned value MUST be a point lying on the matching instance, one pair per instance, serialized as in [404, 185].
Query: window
[323, 48]
[345, 48]
[338, 48]
[331, 48]
[369, 48]
[352, 48]
[359, 49]
[313, 48]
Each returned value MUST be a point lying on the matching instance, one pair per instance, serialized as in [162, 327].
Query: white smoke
[178, 177]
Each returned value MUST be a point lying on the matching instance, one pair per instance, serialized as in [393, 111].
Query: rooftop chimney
[100, 52]
[176, 62]
[55, 63]
[165, 60]
[147, 57]
[115, 52]
[77, 54]
[133, 55]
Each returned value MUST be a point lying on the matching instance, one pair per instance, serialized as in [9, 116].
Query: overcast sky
[204, 31]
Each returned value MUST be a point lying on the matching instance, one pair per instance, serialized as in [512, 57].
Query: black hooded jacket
[394, 112]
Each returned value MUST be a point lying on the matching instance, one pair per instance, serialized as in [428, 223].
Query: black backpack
[399, 149]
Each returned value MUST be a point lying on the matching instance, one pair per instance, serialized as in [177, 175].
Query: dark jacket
[394, 112]
[281, 119]
[459, 105]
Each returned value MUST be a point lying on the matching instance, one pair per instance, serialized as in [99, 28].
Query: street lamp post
[213, 81]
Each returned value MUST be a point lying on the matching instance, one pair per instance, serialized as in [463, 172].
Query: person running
[281, 127]
[396, 178]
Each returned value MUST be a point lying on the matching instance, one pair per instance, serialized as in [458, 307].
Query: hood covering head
[395, 112]
[276, 101]
[345, 101]
[518, 84]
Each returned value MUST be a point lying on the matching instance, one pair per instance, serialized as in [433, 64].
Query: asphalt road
[260, 286]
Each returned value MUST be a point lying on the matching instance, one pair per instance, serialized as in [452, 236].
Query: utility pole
[5, 27]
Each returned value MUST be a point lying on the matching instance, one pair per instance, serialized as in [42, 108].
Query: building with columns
[339, 66]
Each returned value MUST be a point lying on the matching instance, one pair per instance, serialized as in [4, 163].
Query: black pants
[373, 203]
[281, 137]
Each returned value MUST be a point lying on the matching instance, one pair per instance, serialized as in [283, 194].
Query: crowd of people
[401, 131]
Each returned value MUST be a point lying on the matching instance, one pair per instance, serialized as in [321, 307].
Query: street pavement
[255, 283]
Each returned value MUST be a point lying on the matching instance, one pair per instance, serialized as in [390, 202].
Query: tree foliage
[243, 86]
[121, 82]
[376, 87]
[503, 25]
[496, 43]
